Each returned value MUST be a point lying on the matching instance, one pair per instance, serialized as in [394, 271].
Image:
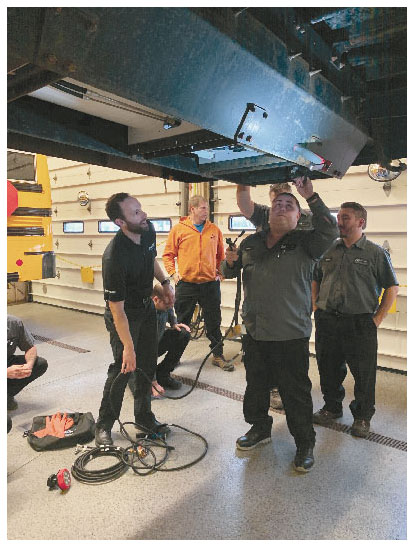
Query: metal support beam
[177, 62]
[37, 126]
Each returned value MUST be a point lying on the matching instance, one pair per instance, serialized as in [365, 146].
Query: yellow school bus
[29, 218]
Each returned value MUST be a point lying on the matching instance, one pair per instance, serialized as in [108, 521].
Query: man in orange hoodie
[197, 244]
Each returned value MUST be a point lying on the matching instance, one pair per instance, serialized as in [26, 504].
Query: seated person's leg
[15, 385]
[173, 343]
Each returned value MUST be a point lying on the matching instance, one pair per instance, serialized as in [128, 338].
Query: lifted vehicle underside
[248, 95]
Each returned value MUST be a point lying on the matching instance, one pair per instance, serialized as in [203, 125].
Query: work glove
[56, 426]
[60, 424]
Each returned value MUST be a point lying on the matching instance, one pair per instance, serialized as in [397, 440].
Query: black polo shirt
[128, 270]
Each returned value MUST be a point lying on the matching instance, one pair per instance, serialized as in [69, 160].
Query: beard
[137, 228]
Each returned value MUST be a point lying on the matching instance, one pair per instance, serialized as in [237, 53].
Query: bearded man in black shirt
[129, 266]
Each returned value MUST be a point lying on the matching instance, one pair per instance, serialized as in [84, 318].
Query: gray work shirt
[277, 282]
[164, 317]
[17, 336]
[260, 218]
[351, 279]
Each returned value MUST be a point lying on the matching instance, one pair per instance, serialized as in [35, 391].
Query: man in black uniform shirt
[128, 269]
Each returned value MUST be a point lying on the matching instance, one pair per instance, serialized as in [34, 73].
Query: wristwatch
[313, 197]
[166, 280]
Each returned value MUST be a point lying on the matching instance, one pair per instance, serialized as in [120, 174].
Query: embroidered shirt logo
[362, 261]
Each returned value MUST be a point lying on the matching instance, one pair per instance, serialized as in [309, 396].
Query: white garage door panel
[393, 217]
[228, 291]
[103, 191]
[71, 209]
[79, 244]
[73, 293]
[71, 276]
[73, 173]
[71, 304]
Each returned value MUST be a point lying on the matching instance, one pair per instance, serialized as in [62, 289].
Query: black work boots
[258, 434]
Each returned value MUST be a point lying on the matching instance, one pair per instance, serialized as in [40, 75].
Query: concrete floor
[356, 490]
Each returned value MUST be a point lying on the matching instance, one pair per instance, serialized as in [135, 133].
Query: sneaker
[304, 459]
[154, 429]
[255, 436]
[103, 437]
[219, 361]
[11, 403]
[169, 383]
[324, 417]
[275, 399]
[360, 428]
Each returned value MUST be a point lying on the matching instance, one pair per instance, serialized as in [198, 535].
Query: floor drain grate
[213, 389]
[343, 428]
[392, 370]
[59, 344]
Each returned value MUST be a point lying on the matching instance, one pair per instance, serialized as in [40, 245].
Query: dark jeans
[14, 386]
[348, 339]
[173, 343]
[144, 335]
[208, 295]
[285, 363]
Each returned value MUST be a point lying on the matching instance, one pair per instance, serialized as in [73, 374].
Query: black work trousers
[144, 336]
[285, 363]
[208, 296]
[352, 339]
[15, 385]
[173, 342]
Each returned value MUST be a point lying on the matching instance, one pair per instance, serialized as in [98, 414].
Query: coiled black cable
[99, 476]
[139, 455]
